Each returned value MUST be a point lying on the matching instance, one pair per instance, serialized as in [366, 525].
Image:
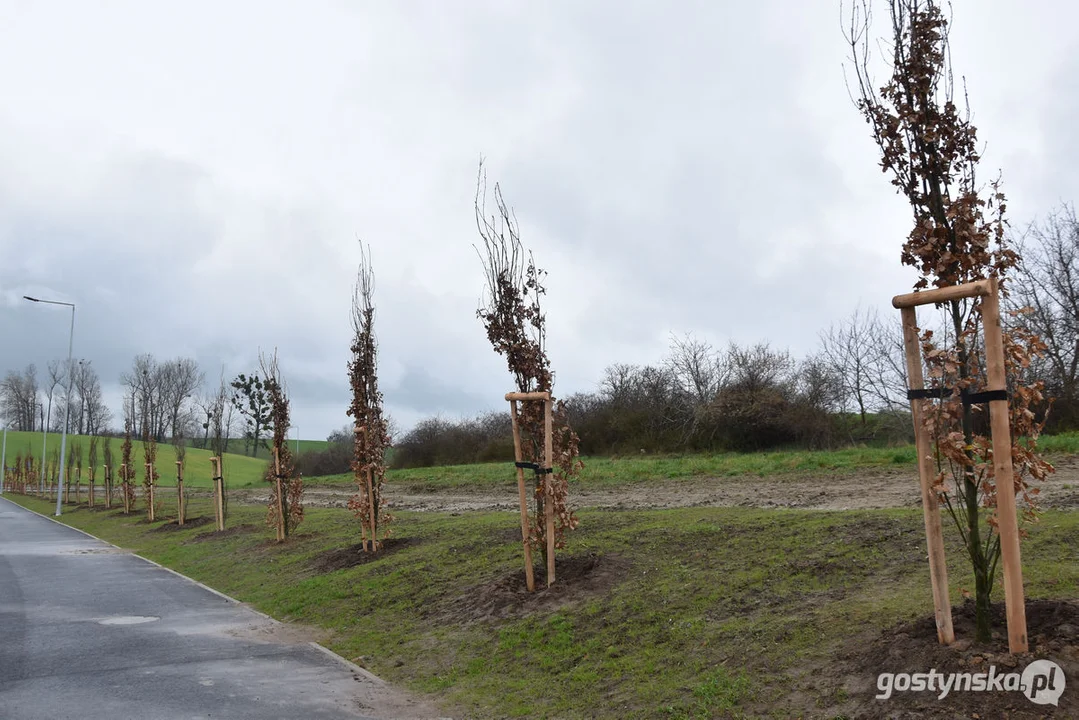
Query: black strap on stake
[968, 398]
[534, 467]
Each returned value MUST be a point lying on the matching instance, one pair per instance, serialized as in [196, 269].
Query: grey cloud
[690, 167]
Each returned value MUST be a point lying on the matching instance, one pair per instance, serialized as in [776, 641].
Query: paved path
[92, 632]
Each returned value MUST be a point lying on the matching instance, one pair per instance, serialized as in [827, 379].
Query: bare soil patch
[188, 523]
[1053, 629]
[579, 577]
[343, 558]
[837, 491]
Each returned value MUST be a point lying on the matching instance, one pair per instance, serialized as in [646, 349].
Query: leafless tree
[867, 355]
[56, 371]
[19, 398]
[180, 380]
[88, 412]
[697, 367]
[159, 394]
[1049, 286]
[142, 393]
[758, 367]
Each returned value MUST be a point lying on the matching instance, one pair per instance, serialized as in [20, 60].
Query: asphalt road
[92, 632]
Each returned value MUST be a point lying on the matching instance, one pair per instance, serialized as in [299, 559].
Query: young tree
[516, 328]
[106, 456]
[930, 149]
[69, 472]
[251, 398]
[220, 420]
[127, 472]
[149, 452]
[179, 446]
[370, 435]
[289, 513]
[91, 467]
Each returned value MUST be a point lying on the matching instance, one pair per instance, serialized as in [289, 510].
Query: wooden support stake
[219, 492]
[938, 566]
[529, 577]
[544, 395]
[179, 492]
[280, 495]
[1000, 428]
[78, 484]
[108, 487]
[548, 504]
[123, 488]
[978, 288]
[150, 498]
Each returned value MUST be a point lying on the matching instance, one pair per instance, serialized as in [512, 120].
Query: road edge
[322, 648]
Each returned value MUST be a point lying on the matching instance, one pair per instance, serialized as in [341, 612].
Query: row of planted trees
[930, 149]
[27, 475]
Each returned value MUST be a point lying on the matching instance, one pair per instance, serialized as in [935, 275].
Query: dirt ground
[1053, 628]
[840, 491]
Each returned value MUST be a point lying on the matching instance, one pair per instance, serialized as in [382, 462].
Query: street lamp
[67, 409]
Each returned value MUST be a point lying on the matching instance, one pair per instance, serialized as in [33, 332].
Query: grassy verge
[600, 472]
[702, 612]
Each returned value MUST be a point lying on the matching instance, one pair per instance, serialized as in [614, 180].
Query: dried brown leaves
[516, 328]
[371, 436]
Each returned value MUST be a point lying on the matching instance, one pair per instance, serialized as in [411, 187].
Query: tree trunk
[979, 563]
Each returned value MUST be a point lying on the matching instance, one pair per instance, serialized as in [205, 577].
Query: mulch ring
[188, 523]
[1053, 632]
[226, 533]
[342, 558]
[578, 577]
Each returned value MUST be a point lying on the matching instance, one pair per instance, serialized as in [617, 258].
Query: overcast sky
[195, 175]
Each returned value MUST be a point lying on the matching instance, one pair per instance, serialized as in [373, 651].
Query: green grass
[1064, 443]
[600, 472]
[236, 445]
[603, 472]
[239, 471]
[704, 612]
[614, 471]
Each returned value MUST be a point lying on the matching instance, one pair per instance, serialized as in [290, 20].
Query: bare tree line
[161, 399]
[159, 396]
[26, 404]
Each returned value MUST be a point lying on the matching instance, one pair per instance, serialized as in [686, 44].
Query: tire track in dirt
[840, 491]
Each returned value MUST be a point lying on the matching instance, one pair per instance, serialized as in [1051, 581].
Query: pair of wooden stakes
[1000, 430]
[545, 472]
[219, 505]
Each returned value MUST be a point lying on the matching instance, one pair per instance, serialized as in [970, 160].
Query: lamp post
[67, 409]
[45, 446]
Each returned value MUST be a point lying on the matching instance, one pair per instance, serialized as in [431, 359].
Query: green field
[239, 471]
[236, 445]
[702, 612]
